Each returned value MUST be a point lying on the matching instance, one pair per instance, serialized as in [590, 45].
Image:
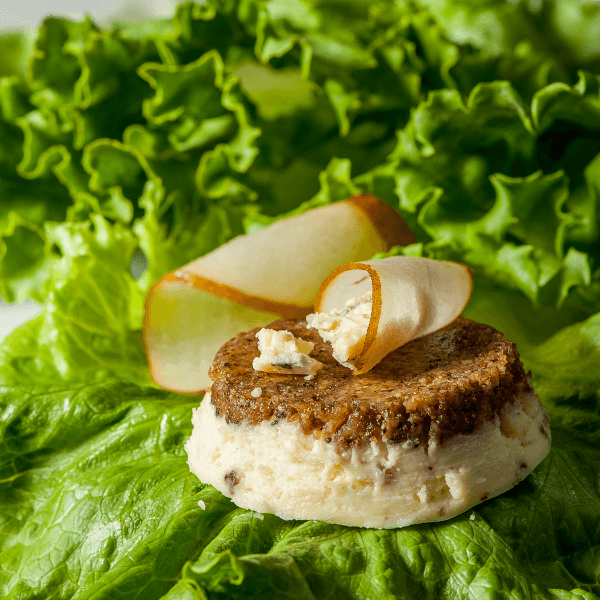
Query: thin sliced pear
[412, 297]
[255, 279]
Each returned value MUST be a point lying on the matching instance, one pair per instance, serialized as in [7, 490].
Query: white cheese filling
[273, 467]
[282, 352]
[345, 329]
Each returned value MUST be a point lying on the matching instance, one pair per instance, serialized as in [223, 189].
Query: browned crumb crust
[448, 382]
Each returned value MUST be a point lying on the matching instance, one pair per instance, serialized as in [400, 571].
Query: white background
[30, 13]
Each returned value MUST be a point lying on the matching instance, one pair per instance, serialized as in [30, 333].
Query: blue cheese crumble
[282, 352]
[345, 329]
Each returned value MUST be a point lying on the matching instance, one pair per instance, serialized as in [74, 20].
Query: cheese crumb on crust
[345, 329]
[282, 352]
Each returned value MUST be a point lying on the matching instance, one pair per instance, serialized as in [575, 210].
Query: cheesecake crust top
[449, 382]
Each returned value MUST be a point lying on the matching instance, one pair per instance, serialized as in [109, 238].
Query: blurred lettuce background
[18, 27]
[477, 121]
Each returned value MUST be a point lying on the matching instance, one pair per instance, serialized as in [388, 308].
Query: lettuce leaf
[194, 102]
[506, 188]
[89, 327]
[109, 458]
[98, 502]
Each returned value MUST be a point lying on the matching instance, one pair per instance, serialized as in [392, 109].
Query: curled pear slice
[411, 297]
[254, 279]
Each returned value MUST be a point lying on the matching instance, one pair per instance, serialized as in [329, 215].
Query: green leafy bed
[478, 121]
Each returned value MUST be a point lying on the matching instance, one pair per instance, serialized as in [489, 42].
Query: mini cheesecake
[439, 425]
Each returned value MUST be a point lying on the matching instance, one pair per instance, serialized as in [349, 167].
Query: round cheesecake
[440, 424]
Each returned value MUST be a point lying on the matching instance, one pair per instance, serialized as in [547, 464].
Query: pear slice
[255, 279]
[411, 297]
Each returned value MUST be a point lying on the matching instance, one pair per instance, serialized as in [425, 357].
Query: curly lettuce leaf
[89, 327]
[504, 188]
[558, 35]
[196, 99]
